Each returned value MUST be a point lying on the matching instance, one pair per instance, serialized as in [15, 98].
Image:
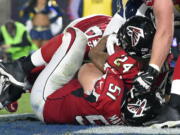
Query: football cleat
[12, 107]
[13, 73]
[169, 117]
[8, 95]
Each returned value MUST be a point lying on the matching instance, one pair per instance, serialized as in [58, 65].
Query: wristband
[155, 67]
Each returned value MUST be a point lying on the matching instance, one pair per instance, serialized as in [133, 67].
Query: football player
[93, 27]
[132, 37]
[95, 97]
[130, 8]
[58, 97]
[154, 9]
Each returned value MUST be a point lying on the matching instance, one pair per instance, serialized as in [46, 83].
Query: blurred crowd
[34, 22]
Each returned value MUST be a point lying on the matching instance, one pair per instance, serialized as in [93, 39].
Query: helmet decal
[136, 36]
[135, 33]
[138, 108]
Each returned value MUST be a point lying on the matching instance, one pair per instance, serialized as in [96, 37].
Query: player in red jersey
[101, 99]
[164, 21]
[93, 27]
[58, 98]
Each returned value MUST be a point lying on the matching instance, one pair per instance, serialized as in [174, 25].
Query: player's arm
[164, 17]
[98, 55]
[163, 11]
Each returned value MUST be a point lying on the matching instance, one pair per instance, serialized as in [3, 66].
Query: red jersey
[70, 105]
[92, 26]
[123, 64]
[103, 105]
[127, 67]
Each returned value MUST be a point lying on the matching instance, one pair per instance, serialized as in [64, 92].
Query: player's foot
[169, 117]
[9, 94]
[12, 107]
[13, 73]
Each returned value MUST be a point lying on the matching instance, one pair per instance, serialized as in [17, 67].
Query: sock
[37, 58]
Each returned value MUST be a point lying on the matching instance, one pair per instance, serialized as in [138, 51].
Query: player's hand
[143, 82]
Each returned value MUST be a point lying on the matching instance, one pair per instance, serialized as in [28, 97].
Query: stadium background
[9, 9]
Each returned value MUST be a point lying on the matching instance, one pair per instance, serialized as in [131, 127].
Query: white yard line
[13, 117]
[128, 130]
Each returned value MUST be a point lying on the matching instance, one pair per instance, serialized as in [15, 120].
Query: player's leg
[170, 114]
[59, 71]
[12, 72]
[17, 70]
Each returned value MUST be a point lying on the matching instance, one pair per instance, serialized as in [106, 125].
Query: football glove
[144, 80]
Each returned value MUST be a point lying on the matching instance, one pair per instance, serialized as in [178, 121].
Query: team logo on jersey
[135, 33]
[137, 108]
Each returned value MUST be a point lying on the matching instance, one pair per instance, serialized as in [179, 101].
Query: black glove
[144, 80]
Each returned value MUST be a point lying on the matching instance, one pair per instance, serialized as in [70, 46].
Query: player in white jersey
[91, 28]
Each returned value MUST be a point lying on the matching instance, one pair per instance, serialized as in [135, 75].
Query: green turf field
[23, 105]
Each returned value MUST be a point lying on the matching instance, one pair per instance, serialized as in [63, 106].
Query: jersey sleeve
[124, 65]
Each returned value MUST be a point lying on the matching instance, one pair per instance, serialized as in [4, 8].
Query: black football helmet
[136, 36]
[141, 109]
